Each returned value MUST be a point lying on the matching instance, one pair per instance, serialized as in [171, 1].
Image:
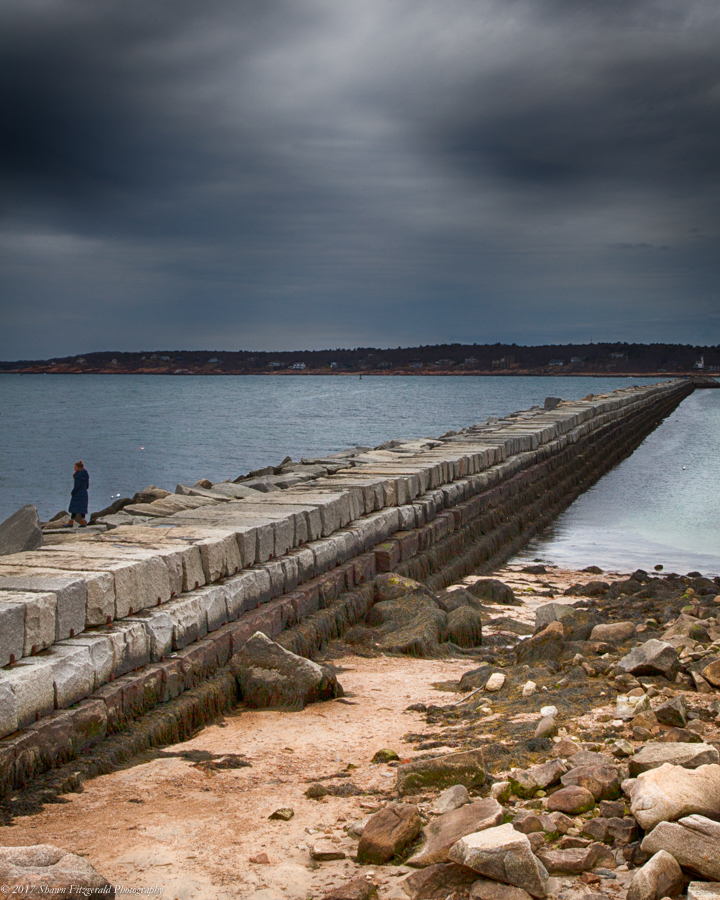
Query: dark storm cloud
[273, 174]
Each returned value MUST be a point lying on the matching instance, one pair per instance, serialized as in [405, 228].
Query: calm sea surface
[136, 430]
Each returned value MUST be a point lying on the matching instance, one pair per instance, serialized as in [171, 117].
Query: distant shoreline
[413, 373]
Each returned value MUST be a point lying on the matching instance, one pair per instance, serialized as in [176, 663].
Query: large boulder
[465, 768]
[269, 676]
[543, 646]
[436, 882]
[711, 673]
[46, 871]
[693, 841]
[449, 600]
[388, 832]
[671, 792]
[660, 877]
[577, 623]
[572, 861]
[447, 829]
[613, 632]
[673, 712]
[420, 636]
[603, 782]
[502, 854]
[571, 800]
[464, 627]
[687, 626]
[21, 532]
[412, 624]
[677, 753]
[548, 773]
[391, 587]
[493, 591]
[651, 658]
[484, 889]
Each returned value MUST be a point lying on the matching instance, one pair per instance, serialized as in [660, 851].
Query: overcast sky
[286, 174]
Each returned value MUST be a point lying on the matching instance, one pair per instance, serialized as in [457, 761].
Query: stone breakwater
[99, 629]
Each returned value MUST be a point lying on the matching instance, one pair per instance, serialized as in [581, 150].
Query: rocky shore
[566, 746]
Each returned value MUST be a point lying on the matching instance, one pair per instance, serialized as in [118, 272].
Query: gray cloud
[275, 174]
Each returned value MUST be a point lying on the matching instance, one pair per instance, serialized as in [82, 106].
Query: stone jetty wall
[99, 629]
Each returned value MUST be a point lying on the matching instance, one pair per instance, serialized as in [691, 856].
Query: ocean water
[136, 430]
[660, 506]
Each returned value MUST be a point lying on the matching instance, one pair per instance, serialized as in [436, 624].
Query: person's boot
[83, 523]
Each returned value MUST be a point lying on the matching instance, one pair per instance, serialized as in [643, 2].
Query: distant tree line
[427, 358]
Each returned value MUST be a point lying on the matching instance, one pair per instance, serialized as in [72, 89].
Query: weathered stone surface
[612, 809]
[483, 889]
[21, 531]
[465, 768]
[694, 842]
[620, 830]
[629, 706]
[451, 798]
[324, 851]
[670, 792]
[556, 823]
[548, 773]
[577, 624]
[565, 748]
[651, 658]
[446, 830]
[8, 710]
[571, 800]
[551, 612]
[268, 675]
[603, 782]
[12, 632]
[435, 882]
[131, 645]
[546, 644]
[31, 682]
[527, 822]
[673, 712]
[387, 832]
[689, 756]
[502, 854]
[703, 890]
[589, 758]
[43, 870]
[72, 673]
[660, 877]
[711, 673]
[569, 862]
[71, 599]
[522, 783]
[613, 632]
[360, 888]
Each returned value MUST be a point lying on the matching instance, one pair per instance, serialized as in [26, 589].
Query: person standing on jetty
[79, 496]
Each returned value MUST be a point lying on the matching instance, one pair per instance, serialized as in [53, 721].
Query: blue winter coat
[79, 495]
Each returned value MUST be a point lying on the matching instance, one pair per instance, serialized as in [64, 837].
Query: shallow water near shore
[136, 430]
